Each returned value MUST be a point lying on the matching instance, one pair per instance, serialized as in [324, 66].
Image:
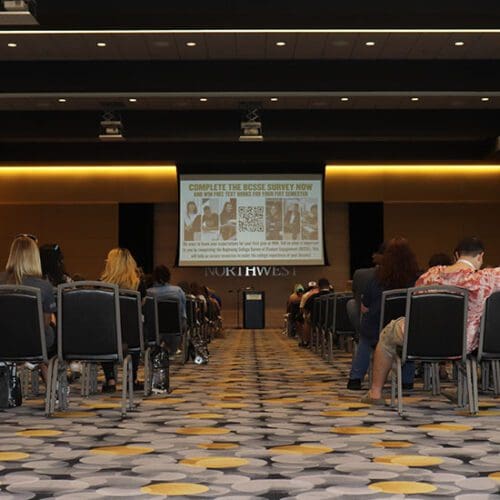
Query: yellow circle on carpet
[495, 476]
[218, 446]
[341, 404]
[233, 406]
[181, 391]
[409, 460]
[445, 427]
[301, 449]
[164, 401]
[174, 489]
[229, 395]
[194, 431]
[74, 414]
[357, 430]
[485, 413]
[392, 444]
[402, 487]
[101, 406]
[215, 462]
[283, 400]
[7, 456]
[344, 413]
[204, 415]
[39, 433]
[122, 450]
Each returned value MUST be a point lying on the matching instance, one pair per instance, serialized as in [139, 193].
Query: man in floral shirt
[464, 273]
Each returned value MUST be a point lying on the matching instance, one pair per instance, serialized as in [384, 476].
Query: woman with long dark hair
[398, 269]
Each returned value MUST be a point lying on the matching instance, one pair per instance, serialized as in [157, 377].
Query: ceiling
[358, 81]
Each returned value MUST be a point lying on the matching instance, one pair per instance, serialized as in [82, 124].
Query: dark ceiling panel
[217, 76]
[270, 14]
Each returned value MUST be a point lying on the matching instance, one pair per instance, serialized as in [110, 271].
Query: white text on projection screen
[251, 220]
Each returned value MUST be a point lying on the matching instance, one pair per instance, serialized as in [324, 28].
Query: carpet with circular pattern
[263, 420]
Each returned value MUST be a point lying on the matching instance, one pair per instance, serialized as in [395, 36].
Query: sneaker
[367, 399]
[354, 384]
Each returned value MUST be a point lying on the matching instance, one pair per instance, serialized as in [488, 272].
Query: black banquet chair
[488, 355]
[89, 330]
[23, 333]
[435, 330]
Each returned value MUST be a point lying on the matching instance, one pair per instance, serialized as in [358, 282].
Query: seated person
[464, 273]
[24, 268]
[293, 310]
[398, 269]
[162, 289]
[121, 269]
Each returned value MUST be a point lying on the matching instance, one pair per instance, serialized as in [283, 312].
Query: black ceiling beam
[108, 14]
[205, 76]
[283, 125]
[235, 152]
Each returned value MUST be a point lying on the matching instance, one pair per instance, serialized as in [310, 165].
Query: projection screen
[227, 220]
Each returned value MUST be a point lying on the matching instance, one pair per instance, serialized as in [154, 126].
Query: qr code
[251, 219]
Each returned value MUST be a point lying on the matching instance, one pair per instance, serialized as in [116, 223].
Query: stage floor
[264, 419]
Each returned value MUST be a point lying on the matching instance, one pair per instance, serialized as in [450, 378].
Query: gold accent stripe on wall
[31, 184]
[402, 183]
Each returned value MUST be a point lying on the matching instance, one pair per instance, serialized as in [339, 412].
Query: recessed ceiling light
[370, 44]
[459, 44]
[203, 99]
[101, 44]
[280, 44]
[61, 100]
[190, 44]
[12, 45]
[132, 99]
[415, 99]
[274, 99]
[485, 99]
[344, 99]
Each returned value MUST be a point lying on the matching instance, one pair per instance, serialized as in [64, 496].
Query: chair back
[315, 310]
[131, 320]
[435, 323]
[22, 324]
[489, 337]
[169, 317]
[88, 322]
[151, 323]
[340, 321]
[393, 305]
[191, 311]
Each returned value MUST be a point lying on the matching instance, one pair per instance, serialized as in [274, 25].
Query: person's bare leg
[382, 364]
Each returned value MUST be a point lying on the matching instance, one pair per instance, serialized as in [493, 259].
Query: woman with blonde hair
[24, 268]
[121, 269]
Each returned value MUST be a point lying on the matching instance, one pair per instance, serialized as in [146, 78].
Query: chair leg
[330, 346]
[475, 391]
[427, 376]
[495, 365]
[130, 383]
[147, 372]
[436, 385]
[485, 376]
[124, 387]
[470, 395]
[24, 376]
[49, 387]
[393, 386]
[400, 386]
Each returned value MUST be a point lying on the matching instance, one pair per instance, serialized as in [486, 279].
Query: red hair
[399, 268]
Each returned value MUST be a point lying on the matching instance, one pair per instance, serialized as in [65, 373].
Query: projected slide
[247, 220]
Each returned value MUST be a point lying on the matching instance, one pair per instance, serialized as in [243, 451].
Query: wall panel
[85, 232]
